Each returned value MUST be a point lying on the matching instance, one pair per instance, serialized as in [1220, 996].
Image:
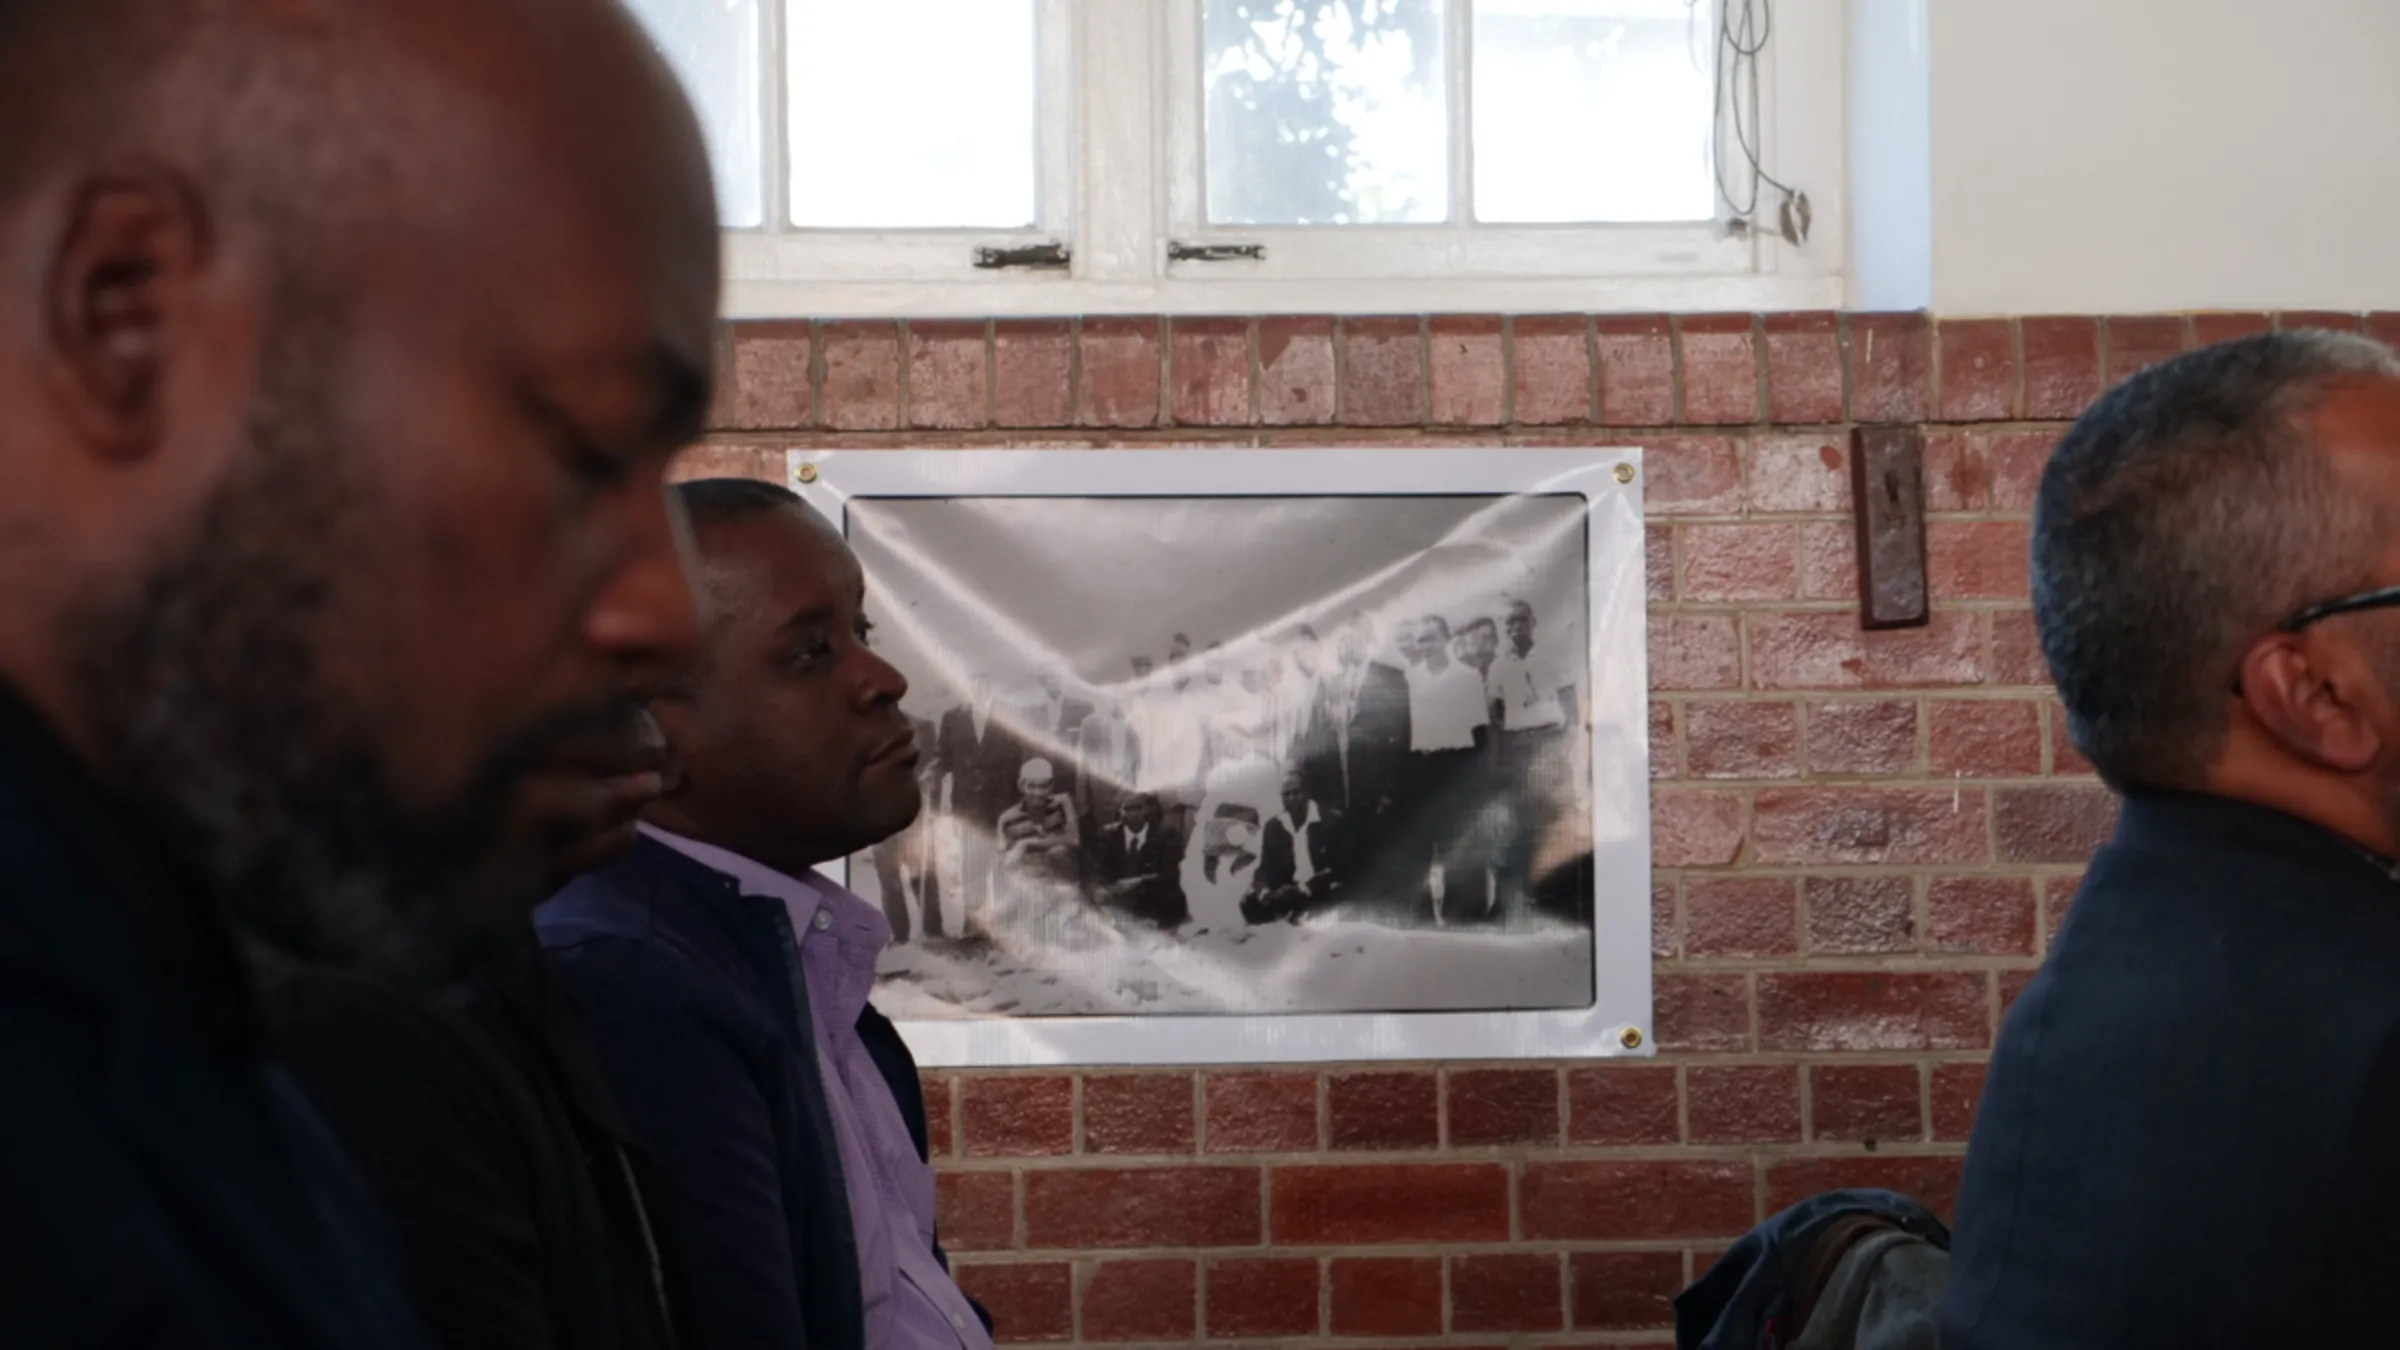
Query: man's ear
[2298, 692]
[117, 298]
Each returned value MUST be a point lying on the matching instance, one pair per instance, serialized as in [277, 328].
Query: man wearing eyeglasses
[2191, 1131]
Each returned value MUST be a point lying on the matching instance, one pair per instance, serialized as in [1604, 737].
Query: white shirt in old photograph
[1168, 725]
[1243, 777]
[1304, 864]
[1444, 707]
[1295, 700]
[1106, 744]
[1527, 687]
[1044, 713]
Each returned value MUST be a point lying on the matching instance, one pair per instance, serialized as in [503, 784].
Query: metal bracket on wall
[1887, 498]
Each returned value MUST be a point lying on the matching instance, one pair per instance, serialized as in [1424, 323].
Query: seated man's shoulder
[653, 893]
[2218, 933]
[620, 899]
[655, 981]
[2181, 1099]
[651, 969]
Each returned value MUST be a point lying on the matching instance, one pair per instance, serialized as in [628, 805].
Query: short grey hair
[2188, 511]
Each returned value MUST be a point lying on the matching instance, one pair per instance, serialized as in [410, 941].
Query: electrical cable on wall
[1743, 29]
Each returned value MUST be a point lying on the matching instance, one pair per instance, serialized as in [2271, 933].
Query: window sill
[750, 298]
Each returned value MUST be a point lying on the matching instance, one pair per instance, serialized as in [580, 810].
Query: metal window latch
[1044, 257]
[1178, 251]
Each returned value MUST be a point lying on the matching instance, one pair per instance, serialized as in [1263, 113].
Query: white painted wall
[2137, 155]
[1891, 155]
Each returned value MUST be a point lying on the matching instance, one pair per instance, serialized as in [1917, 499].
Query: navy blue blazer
[696, 1001]
[162, 1182]
[2190, 1135]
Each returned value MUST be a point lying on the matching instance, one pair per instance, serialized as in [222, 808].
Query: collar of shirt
[1299, 827]
[1135, 838]
[819, 909]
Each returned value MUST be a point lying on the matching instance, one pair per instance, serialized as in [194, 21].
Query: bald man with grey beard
[343, 347]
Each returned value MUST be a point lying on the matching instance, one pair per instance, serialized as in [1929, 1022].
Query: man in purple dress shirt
[727, 982]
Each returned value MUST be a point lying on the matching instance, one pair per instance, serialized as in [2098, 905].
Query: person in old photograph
[1296, 685]
[975, 761]
[1300, 859]
[1252, 711]
[1240, 794]
[1447, 782]
[1477, 646]
[1307, 652]
[1218, 709]
[1051, 715]
[1498, 821]
[975, 751]
[1108, 755]
[1533, 691]
[1170, 736]
[1137, 866]
[1212, 663]
[1039, 839]
[1361, 742]
[904, 864]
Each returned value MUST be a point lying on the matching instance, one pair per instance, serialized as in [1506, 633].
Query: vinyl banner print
[1238, 757]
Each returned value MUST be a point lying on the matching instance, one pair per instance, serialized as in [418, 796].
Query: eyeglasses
[2382, 598]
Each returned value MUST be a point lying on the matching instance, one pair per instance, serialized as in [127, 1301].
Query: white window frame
[781, 252]
[1119, 159]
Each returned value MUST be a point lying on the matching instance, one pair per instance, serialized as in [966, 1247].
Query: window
[1350, 112]
[920, 157]
[915, 116]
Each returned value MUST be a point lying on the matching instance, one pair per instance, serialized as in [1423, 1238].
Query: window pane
[713, 46]
[1325, 112]
[1594, 110]
[912, 113]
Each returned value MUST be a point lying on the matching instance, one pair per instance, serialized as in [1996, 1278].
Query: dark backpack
[1762, 1292]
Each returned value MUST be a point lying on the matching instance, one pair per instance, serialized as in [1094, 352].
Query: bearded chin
[204, 682]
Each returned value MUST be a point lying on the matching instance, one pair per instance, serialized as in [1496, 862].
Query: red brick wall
[1862, 839]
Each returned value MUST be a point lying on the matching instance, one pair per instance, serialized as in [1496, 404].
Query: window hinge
[1038, 256]
[1178, 251]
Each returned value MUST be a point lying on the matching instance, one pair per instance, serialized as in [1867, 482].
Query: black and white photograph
[1208, 756]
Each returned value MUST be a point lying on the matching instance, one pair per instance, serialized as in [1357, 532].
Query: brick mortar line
[1680, 431]
[1406, 1251]
[1962, 693]
[1507, 1340]
[1545, 1065]
[1911, 778]
[1774, 1151]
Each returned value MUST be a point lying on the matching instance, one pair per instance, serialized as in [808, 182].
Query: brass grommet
[808, 473]
[1625, 473]
[1632, 1039]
